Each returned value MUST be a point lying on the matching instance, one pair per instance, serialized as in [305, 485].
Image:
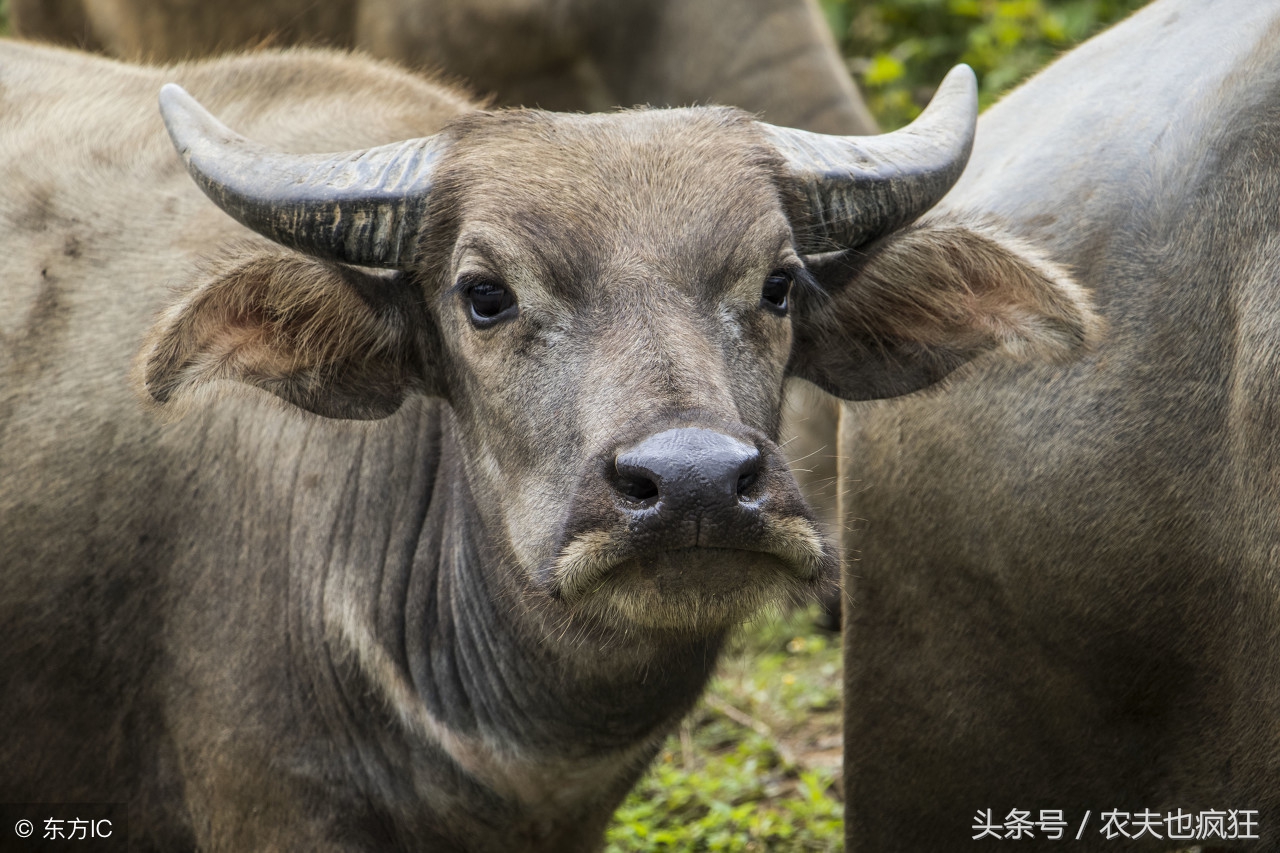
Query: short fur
[556, 54]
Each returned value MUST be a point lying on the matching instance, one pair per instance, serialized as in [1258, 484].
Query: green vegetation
[757, 766]
[898, 50]
[4, 17]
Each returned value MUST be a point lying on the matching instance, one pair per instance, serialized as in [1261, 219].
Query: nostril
[637, 488]
[745, 482]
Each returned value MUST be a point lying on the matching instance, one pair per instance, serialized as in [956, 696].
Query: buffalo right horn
[859, 188]
[359, 207]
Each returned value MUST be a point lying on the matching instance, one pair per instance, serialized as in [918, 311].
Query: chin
[695, 591]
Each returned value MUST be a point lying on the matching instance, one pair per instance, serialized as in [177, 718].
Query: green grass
[756, 767]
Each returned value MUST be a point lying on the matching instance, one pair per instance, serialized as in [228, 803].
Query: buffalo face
[615, 332]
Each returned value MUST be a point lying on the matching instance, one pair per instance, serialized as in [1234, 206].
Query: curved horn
[862, 187]
[358, 207]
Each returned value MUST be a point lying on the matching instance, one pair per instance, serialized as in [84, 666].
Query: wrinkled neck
[466, 654]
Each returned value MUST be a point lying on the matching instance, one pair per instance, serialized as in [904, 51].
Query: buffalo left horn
[358, 207]
[859, 188]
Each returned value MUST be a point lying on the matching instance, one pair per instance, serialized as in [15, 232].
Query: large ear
[903, 313]
[327, 338]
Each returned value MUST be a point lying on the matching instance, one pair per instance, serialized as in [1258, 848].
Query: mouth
[697, 587]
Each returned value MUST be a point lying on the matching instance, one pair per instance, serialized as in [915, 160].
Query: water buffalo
[476, 460]
[773, 57]
[1066, 598]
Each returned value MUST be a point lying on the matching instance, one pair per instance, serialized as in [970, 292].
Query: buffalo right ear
[327, 338]
[902, 314]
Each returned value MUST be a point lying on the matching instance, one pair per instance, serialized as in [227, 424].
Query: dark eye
[777, 291]
[488, 302]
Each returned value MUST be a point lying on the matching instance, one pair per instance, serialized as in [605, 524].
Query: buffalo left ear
[902, 314]
[331, 339]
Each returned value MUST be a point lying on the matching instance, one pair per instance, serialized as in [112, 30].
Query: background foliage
[898, 50]
[756, 767]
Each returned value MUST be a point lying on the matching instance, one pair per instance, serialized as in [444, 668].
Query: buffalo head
[610, 305]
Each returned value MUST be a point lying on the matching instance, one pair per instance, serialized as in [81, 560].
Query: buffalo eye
[488, 302]
[776, 294]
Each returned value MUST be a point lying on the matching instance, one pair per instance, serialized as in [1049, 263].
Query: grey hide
[1068, 588]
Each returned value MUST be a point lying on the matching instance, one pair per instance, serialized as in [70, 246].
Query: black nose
[687, 468]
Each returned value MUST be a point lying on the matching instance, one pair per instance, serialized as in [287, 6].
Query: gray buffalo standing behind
[1069, 591]
[774, 57]
[467, 624]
